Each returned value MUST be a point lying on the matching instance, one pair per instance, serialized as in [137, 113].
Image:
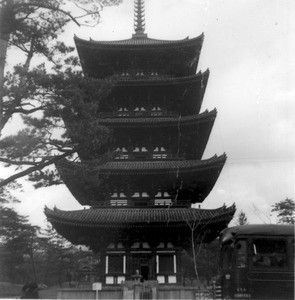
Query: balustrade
[139, 113]
[142, 74]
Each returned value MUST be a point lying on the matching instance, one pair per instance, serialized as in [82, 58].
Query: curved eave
[148, 167]
[138, 43]
[145, 217]
[89, 182]
[141, 80]
[128, 122]
[103, 59]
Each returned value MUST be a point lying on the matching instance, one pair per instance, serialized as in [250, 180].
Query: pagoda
[142, 213]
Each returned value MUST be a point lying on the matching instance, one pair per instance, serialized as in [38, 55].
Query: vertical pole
[124, 264]
[107, 264]
[174, 264]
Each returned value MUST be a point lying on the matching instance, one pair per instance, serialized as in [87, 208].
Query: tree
[285, 210]
[208, 256]
[17, 238]
[33, 27]
[199, 250]
[242, 218]
[69, 117]
[196, 239]
[30, 254]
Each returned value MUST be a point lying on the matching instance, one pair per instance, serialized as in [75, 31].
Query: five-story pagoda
[141, 215]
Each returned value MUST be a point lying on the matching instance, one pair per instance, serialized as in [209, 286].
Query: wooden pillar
[153, 265]
[127, 246]
[178, 265]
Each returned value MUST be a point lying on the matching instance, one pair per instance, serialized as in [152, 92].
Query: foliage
[33, 27]
[6, 195]
[17, 238]
[19, 16]
[207, 260]
[59, 259]
[30, 254]
[70, 105]
[44, 95]
[242, 218]
[201, 251]
[285, 210]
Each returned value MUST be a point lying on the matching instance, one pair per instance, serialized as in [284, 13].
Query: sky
[249, 49]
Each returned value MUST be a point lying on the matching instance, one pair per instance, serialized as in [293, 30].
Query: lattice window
[140, 149]
[115, 264]
[123, 154]
[123, 111]
[160, 156]
[163, 202]
[160, 153]
[157, 111]
[119, 202]
[119, 199]
[139, 109]
[166, 264]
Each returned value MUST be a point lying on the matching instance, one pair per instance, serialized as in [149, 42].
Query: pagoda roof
[183, 95]
[101, 59]
[183, 137]
[137, 41]
[92, 183]
[97, 228]
[118, 217]
[159, 80]
[146, 167]
[159, 121]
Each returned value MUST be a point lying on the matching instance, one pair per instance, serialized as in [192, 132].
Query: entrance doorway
[144, 271]
[144, 264]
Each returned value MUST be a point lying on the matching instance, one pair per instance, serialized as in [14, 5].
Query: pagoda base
[145, 290]
[87, 293]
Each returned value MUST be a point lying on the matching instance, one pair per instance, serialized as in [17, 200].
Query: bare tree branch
[39, 167]
[50, 7]
[18, 162]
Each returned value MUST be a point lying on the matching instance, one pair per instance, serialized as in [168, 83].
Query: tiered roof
[143, 217]
[93, 184]
[107, 58]
[89, 226]
[185, 136]
[179, 95]
[161, 121]
[153, 112]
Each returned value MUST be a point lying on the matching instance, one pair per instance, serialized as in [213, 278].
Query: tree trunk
[34, 266]
[7, 26]
[194, 255]
[3, 51]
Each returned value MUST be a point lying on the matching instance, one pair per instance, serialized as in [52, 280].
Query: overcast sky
[249, 48]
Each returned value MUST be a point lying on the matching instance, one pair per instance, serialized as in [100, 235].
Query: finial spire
[139, 22]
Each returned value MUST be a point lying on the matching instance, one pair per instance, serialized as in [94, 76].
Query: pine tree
[285, 210]
[242, 218]
[33, 27]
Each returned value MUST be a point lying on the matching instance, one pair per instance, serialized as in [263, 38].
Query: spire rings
[139, 16]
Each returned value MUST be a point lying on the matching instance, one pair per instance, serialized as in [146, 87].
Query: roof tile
[101, 217]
